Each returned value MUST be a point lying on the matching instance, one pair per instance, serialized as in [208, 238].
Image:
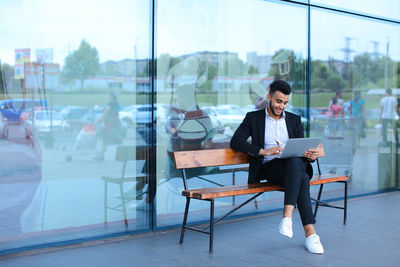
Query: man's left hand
[312, 154]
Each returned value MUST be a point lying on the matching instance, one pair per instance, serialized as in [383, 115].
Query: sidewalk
[370, 238]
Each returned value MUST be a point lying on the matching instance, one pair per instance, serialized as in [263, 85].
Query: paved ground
[371, 238]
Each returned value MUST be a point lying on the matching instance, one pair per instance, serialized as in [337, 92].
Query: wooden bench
[221, 157]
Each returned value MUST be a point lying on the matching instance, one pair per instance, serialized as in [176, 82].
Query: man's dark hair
[389, 91]
[281, 86]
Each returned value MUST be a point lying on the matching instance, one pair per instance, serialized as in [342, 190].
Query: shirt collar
[269, 117]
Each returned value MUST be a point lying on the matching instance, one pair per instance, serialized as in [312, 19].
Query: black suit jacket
[253, 126]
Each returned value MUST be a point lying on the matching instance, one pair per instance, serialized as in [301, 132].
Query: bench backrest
[213, 157]
[208, 158]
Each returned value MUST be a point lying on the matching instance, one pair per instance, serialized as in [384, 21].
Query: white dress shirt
[275, 132]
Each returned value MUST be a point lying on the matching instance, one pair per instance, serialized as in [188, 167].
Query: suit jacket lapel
[289, 125]
[261, 129]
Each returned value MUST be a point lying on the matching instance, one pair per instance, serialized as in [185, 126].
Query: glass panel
[215, 60]
[73, 74]
[382, 8]
[352, 67]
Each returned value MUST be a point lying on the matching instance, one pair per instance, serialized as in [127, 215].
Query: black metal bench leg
[345, 203]
[319, 198]
[211, 225]
[184, 220]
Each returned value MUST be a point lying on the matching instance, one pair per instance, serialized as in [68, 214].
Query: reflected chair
[124, 154]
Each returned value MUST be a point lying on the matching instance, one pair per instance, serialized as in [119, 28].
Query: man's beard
[272, 109]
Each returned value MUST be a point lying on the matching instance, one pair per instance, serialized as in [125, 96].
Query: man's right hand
[276, 150]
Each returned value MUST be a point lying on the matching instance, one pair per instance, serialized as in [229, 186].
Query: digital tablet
[295, 147]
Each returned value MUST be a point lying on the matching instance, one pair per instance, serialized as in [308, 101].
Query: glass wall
[87, 123]
[354, 88]
[75, 112]
[215, 60]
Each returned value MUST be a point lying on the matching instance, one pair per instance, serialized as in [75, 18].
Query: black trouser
[291, 173]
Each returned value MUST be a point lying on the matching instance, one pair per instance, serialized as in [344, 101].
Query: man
[270, 129]
[387, 115]
[111, 131]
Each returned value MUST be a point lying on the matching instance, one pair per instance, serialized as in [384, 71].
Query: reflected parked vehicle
[226, 115]
[20, 109]
[74, 115]
[45, 120]
[140, 115]
[212, 113]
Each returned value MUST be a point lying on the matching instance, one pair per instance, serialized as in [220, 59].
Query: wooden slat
[327, 178]
[226, 191]
[208, 158]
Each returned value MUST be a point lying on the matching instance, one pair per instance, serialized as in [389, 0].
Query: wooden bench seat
[228, 191]
[222, 157]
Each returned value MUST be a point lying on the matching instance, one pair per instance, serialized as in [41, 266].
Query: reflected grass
[242, 99]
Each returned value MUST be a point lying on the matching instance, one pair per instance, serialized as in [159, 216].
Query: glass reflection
[211, 79]
[383, 8]
[73, 103]
[352, 69]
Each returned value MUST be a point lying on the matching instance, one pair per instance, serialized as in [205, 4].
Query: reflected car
[25, 105]
[212, 113]
[44, 121]
[248, 108]
[316, 114]
[74, 115]
[226, 115]
[140, 115]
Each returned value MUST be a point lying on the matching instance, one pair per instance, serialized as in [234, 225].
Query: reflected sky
[113, 27]
[227, 26]
[329, 30]
[384, 8]
[119, 29]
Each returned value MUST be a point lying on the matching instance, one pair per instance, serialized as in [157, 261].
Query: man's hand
[312, 154]
[270, 151]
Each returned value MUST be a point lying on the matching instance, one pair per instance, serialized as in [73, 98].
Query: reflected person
[357, 117]
[110, 132]
[387, 114]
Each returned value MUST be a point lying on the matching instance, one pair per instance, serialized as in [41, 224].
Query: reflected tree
[369, 71]
[7, 80]
[81, 64]
[232, 67]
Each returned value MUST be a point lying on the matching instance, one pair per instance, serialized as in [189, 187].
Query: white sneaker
[313, 244]
[285, 227]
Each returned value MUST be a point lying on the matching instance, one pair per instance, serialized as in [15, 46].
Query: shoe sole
[288, 235]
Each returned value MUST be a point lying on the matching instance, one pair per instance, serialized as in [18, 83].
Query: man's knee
[298, 163]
